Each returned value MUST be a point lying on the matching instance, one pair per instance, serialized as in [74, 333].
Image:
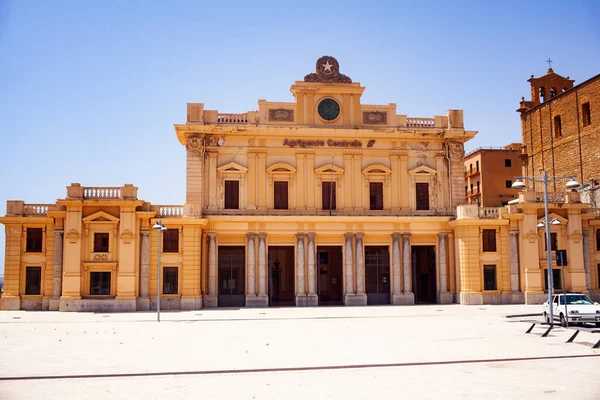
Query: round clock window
[328, 109]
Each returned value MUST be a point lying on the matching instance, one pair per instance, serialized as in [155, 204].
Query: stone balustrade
[490, 212]
[36, 209]
[232, 118]
[553, 197]
[101, 193]
[412, 122]
[168, 211]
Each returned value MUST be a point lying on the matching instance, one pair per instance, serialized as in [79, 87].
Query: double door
[377, 271]
[232, 274]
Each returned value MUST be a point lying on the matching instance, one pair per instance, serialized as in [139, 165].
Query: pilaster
[143, 301]
[211, 299]
[301, 299]
[444, 297]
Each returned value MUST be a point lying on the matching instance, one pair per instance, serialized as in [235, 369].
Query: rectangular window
[34, 240]
[507, 162]
[508, 184]
[553, 241]
[489, 240]
[585, 112]
[422, 190]
[100, 283]
[557, 127]
[471, 188]
[280, 195]
[489, 277]
[466, 189]
[471, 168]
[478, 187]
[597, 239]
[556, 279]
[476, 166]
[328, 199]
[376, 195]
[33, 280]
[232, 195]
[101, 242]
[170, 280]
[171, 241]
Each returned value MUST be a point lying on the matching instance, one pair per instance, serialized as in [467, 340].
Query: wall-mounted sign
[328, 143]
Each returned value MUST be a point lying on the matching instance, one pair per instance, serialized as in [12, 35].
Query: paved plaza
[412, 352]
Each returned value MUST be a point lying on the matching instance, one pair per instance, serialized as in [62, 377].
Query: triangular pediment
[100, 216]
[329, 169]
[551, 217]
[377, 169]
[422, 170]
[281, 168]
[232, 167]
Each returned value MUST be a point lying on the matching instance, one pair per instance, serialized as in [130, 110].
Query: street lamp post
[571, 184]
[159, 227]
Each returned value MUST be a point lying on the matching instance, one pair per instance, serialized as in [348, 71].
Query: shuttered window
[232, 195]
[171, 241]
[280, 195]
[328, 198]
[101, 242]
[34, 240]
[422, 191]
[376, 195]
[489, 240]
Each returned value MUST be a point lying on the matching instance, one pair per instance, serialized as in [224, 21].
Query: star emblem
[327, 66]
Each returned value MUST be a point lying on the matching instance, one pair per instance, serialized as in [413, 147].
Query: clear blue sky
[90, 90]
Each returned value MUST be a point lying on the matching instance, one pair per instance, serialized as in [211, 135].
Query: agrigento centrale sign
[323, 143]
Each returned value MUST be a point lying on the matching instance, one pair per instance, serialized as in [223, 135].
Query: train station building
[323, 200]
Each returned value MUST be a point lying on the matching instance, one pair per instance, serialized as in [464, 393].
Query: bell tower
[544, 88]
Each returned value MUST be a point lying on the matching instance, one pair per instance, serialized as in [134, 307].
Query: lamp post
[159, 227]
[571, 184]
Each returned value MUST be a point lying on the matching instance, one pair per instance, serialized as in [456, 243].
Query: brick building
[560, 128]
[489, 174]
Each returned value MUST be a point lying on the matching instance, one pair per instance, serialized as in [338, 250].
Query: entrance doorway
[281, 276]
[377, 271]
[232, 274]
[424, 276]
[329, 275]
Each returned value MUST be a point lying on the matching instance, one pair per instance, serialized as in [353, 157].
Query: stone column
[251, 265]
[212, 298]
[143, 301]
[262, 264]
[444, 297]
[312, 297]
[396, 269]
[58, 270]
[516, 297]
[408, 296]
[586, 260]
[348, 270]
[360, 265]
[300, 290]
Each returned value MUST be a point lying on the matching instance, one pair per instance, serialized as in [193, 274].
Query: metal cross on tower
[549, 61]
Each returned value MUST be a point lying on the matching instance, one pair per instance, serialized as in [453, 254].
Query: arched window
[542, 95]
[552, 92]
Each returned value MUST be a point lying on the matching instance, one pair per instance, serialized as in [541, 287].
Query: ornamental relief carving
[532, 236]
[328, 71]
[194, 145]
[374, 117]
[127, 236]
[281, 114]
[457, 151]
[73, 236]
[576, 236]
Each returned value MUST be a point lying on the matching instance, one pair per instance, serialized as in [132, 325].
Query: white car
[579, 309]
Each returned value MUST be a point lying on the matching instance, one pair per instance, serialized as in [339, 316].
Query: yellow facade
[323, 200]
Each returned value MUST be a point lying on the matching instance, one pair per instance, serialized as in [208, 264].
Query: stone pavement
[412, 352]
